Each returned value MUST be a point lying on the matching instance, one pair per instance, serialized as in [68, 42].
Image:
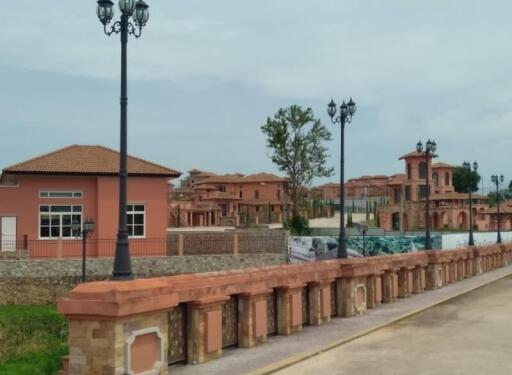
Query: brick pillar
[461, 264]
[418, 280]
[352, 295]
[390, 286]
[180, 244]
[468, 268]
[405, 281]
[235, 244]
[289, 309]
[205, 329]
[113, 346]
[477, 265]
[374, 290]
[253, 318]
[434, 276]
[320, 302]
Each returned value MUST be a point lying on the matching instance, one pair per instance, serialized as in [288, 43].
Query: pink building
[41, 197]
[448, 209]
[207, 199]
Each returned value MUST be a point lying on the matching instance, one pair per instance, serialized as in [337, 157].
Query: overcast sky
[206, 74]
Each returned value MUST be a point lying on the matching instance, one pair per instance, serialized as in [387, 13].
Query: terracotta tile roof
[240, 178]
[87, 160]
[263, 177]
[396, 179]
[414, 154]
[442, 165]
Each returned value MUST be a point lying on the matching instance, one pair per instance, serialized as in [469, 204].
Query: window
[397, 195]
[423, 170]
[278, 194]
[409, 174]
[256, 194]
[136, 219]
[407, 193]
[60, 194]
[241, 194]
[447, 181]
[422, 191]
[56, 221]
[435, 177]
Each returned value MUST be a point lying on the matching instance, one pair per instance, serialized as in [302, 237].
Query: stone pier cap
[116, 299]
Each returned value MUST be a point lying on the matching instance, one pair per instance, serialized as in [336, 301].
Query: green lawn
[32, 340]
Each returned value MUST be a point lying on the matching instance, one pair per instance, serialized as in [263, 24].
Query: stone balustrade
[141, 326]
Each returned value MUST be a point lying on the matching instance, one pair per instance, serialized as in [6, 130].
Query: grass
[32, 340]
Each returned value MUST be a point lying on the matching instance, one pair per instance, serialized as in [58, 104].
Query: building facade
[41, 198]
[207, 199]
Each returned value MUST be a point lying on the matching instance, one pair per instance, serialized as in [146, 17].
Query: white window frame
[136, 213]
[75, 194]
[81, 214]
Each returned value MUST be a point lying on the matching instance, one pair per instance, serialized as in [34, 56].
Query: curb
[280, 365]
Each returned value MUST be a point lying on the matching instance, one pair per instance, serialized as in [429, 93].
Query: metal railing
[175, 244]
[13, 243]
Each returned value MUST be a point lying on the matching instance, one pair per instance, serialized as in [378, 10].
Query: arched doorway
[462, 220]
[395, 221]
[444, 220]
[436, 221]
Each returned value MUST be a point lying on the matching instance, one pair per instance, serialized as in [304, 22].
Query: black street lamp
[84, 232]
[430, 149]
[498, 180]
[138, 11]
[471, 173]
[347, 111]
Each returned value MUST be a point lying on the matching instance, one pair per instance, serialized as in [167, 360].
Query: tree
[464, 179]
[296, 139]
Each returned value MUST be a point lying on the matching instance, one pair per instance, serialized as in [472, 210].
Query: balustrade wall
[116, 326]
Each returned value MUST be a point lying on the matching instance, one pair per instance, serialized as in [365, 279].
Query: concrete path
[281, 351]
[469, 335]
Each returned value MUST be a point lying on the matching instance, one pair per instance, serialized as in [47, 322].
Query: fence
[232, 242]
[186, 243]
[12, 243]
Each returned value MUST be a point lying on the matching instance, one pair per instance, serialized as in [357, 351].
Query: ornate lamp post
[139, 12]
[84, 232]
[430, 149]
[471, 172]
[498, 180]
[347, 111]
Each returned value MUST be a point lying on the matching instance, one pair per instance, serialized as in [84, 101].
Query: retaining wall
[25, 281]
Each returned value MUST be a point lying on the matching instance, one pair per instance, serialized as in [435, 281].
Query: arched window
[423, 170]
[447, 181]
[409, 172]
[435, 178]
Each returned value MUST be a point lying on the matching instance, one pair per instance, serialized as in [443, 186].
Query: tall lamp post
[347, 111]
[138, 11]
[84, 232]
[498, 180]
[471, 173]
[429, 150]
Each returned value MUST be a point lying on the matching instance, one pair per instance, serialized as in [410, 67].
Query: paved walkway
[469, 335]
[280, 351]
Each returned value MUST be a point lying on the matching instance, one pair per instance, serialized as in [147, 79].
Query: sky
[205, 75]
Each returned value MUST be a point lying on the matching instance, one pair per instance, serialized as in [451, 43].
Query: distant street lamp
[138, 11]
[471, 173]
[430, 149]
[498, 180]
[83, 232]
[347, 111]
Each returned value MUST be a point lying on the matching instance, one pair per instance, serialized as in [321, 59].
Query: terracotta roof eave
[41, 173]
